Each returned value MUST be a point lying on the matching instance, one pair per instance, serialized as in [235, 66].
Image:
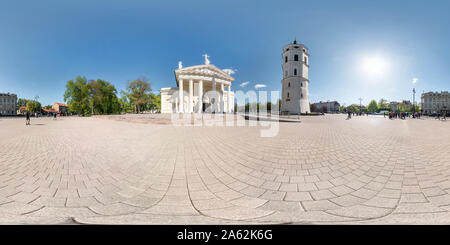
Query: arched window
[296, 57]
[301, 96]
[295, 72]
[306, 60]
[285, 59]
[301, 84]
[288, 95]
[289, 84]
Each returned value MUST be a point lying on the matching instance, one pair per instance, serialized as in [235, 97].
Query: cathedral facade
[200, 88]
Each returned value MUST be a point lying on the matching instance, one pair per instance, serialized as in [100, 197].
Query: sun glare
[374, 66]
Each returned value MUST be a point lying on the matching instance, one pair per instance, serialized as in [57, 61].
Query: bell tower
[295, 81]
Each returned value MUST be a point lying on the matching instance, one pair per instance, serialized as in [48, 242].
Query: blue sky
[43, 44]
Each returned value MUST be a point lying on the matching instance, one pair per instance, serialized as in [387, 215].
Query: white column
[229, 104]
[215, 94]
[200, 96]
[222, 104]
[180, 96]
[191, 95]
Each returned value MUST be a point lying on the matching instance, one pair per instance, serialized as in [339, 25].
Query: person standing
[27, 122]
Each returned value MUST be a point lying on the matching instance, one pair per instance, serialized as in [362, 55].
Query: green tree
[155, 102]
[21, 102]
[138, 93]
[353, 108]
[33, 106]
[125, 104]
[373, 107]
[77, 96]
[383, 103]
[405, 107]
[103, 97]
[47, 107]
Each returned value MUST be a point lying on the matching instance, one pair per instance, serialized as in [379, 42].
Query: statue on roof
[180, 65]
[206, 59]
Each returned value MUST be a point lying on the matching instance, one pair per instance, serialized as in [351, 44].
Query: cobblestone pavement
[322, 170]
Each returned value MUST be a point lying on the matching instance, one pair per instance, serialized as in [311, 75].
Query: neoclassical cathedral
[295, 79]
[200, 88]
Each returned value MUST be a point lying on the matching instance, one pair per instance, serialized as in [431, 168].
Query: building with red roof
[60, 108]
[21, 110]
[50, 111]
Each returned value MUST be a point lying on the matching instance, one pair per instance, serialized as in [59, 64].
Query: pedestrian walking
[27, 122]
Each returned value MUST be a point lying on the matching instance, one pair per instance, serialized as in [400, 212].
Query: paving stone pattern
[367, 170]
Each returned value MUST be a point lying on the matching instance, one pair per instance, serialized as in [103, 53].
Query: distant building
[394, 106]
[60, 108]
[8, 104]
[405, 105]
[434, 102]
[50, 111]
[21, 110]
[329, 106]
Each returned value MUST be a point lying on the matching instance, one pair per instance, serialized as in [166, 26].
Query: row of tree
[257, 107]
[382, 105]
[99, 97]
[32, 106]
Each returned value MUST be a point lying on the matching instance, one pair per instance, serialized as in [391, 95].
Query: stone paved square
[324, 169]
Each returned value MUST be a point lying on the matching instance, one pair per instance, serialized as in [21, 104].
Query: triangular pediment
[204, 70]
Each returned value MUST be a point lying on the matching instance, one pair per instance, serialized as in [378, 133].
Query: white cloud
[257, 86]
[244, 84]
[230, 71]
[414, 80]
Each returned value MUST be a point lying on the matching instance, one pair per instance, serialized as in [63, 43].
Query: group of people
[444, 116]
[403, 115]
[350, 113]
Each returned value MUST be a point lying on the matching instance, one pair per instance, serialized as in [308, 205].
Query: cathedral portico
[200, 88]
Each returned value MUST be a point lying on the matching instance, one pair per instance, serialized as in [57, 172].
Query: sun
[374, 66]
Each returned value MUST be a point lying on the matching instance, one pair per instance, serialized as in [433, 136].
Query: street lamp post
[414, 103]
[360, 105]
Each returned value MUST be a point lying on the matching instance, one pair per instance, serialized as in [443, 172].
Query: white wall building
[434, 102]
[295, 79]
[200, 88]
[8, 103]
[328, 106]
[394, 106]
